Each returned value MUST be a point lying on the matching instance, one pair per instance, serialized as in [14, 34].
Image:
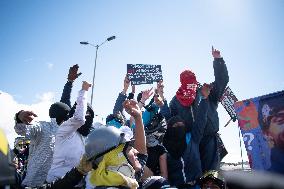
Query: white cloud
[8, 108]
[48, 96]
[50, 65]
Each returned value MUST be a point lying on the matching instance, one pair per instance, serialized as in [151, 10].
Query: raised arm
[161, 101]
[23, 124]
[72, 76]
[146, 94]
[131, 95]
[78, 118]
[221, 76]
[132, 108]
[118, 107]
[163, 165]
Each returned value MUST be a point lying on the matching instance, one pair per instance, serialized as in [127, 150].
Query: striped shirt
[42, 135]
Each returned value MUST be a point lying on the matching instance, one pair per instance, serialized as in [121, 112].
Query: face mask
[176, 133]
[85, 129]
[114, 123]
[175, 141]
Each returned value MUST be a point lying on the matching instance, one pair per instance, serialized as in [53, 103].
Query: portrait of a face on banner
[261, 121]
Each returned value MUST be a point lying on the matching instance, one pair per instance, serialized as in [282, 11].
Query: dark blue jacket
[66, 94]
[189, 113]
[201, 153]
[118, 106]
[176, 175]
[189, 167]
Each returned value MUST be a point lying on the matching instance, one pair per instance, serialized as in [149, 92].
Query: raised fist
[86, 86]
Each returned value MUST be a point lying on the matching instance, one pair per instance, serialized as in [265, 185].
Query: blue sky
[39, 41]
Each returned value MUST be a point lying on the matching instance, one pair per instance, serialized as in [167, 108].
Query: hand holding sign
[126, 84]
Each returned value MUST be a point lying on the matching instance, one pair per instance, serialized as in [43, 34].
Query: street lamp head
[111, 38]
[84, 43]
[97, 47]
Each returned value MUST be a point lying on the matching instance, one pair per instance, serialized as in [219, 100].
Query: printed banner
[227, 100]
[144, 73]
[261, 121]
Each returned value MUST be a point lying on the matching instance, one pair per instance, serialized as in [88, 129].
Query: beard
[279, 140]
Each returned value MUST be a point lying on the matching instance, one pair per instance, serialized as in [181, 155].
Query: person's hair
[59, 111]
[117, 117]
[174, 120]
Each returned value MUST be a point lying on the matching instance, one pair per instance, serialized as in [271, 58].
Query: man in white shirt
[69, 144]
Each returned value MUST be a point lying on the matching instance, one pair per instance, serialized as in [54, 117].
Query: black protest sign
[144, 73]
[227, 100]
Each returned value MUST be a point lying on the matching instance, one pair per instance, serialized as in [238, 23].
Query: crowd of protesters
[162, 145]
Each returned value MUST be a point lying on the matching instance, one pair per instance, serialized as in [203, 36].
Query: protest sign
[227, 100]
[144, 73]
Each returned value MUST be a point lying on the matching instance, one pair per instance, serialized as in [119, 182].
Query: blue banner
[261, 121]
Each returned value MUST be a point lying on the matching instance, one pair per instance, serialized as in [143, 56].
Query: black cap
[59, 111]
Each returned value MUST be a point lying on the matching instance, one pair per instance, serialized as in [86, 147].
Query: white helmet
[102, 140]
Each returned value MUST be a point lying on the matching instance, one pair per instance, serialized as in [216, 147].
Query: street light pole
[97, 48]
[94, 75]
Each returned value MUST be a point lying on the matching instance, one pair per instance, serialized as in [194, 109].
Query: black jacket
[70, 180]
